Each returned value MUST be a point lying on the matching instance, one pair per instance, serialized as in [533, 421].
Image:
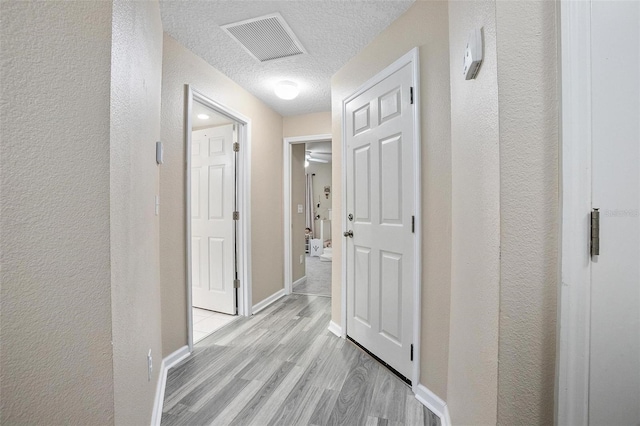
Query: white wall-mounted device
[159, 153]
[473, 55]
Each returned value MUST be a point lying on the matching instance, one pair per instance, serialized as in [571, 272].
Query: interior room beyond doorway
[311, 179]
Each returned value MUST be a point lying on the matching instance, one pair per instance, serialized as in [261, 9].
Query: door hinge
[236, 215]
[236, 147]
[412, 352]
[595, 232]
[411, 94]
[236, 283]
[413, 224]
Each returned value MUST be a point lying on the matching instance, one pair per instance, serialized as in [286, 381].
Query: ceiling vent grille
[266, 38]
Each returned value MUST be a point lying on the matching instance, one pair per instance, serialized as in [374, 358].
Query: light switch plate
[300, 208]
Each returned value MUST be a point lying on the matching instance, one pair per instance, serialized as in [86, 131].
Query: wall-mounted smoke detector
[266, 38]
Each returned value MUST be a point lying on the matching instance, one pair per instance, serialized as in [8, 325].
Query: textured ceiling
[332, 31]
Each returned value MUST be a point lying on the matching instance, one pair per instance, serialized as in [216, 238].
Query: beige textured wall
[135, 268]
[475, 251]
[298, 222]
[180, 67]
[317, 123]
[529, 210]
[56, 360]
[425, 24]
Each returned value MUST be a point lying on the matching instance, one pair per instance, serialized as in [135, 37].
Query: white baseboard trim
[299, 281]
[170, 361]
[434, 403]
[335, 329]
[269, 300]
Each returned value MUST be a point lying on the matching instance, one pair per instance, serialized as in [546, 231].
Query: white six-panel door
[212, 225]
[380, 206]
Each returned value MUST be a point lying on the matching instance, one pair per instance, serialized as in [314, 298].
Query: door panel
[212, 225]
[379, 194]
[614, 379]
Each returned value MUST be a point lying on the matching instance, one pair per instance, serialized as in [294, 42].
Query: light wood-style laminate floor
[282, 367]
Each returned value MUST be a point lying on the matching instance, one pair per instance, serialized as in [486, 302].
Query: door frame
[574, 292]
[288, 145]
[243, 175]
[413, 58]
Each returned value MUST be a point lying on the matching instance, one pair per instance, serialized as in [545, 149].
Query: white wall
[180, 66]
[56, 361]
[136, 76]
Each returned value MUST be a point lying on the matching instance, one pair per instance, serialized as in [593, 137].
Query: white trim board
[244, 201]
[413, 58]
[268, 301]
[298, 281]
[335, 329]
[170, 361]
[574, 304]
[433, 403]
[287, 143]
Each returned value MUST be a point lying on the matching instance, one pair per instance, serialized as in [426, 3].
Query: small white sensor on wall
[473, 55]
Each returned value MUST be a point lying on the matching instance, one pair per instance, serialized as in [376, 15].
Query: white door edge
[412, 57]
[574, 307]
[244, 202]
[287, 145]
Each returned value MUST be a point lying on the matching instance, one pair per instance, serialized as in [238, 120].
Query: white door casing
[212, 231]
[380, 183]
[598, 374]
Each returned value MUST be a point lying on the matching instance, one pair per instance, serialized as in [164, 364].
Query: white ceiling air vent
[266, 38]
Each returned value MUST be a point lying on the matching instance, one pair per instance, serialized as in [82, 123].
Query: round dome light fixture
[203, 116]
[286, 89]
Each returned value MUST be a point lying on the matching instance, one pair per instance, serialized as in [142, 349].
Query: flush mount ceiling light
[203, 116]
[286, 90]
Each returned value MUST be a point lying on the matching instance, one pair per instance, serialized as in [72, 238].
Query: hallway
[282, 367]
[318, 282]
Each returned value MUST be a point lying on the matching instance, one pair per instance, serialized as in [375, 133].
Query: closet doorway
[308, 210]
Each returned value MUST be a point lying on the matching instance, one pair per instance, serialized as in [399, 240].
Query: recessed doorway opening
[218, 284]
[308, 210]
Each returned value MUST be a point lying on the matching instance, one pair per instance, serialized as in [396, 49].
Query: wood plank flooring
[282, 367]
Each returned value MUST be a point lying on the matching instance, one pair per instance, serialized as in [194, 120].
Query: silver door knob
[348, 234]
